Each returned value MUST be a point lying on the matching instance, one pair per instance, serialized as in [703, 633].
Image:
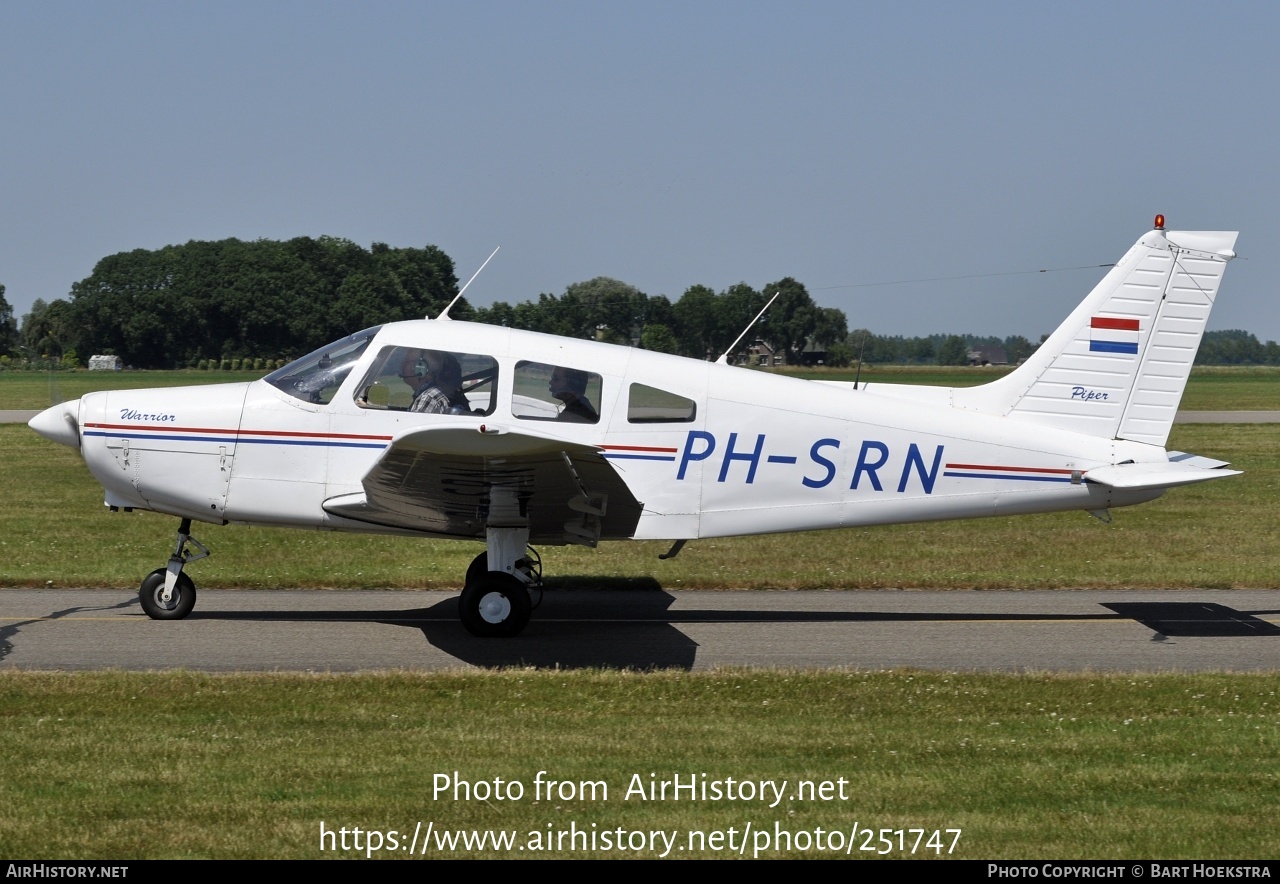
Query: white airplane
[531, 438]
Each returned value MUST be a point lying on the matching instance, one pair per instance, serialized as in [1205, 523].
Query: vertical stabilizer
[1116, 368]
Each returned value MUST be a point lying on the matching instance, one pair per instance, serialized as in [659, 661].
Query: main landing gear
[167, 593]
[495, 602]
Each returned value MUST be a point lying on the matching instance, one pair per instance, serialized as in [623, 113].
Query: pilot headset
[419, 366]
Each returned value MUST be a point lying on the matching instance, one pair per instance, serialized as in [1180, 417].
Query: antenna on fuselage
[444, 314]
[724, 357]
[862, 348]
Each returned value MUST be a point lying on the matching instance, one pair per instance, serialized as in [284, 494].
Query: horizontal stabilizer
[1136, 476]
[1195, 460]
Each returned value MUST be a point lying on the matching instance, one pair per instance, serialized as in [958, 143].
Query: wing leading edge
[458, 481]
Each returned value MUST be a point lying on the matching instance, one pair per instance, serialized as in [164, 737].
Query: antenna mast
[444, 314]
[724, 357]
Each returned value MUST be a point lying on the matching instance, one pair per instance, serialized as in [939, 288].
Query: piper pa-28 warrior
[448, 429]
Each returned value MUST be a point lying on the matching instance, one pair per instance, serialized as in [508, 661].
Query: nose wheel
[167, 593]
[179, 603]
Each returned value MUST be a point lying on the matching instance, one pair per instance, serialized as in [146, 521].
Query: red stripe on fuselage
[225, 432]
[637, 448]
[980, 466]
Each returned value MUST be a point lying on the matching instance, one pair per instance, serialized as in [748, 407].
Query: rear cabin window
[649, 405]
[546, 392]
[430, 381]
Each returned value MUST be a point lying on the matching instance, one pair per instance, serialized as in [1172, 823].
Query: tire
[478, 568]
[180, 605]
[495, 606]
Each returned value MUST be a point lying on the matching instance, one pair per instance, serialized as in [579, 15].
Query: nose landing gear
[167, 593]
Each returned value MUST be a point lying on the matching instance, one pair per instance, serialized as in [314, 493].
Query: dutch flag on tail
[1110, 335]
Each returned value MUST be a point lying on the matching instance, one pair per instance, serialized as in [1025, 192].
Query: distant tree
[840, 354]
[735, 308]
[792, 319]
[1017, 348]
[922, 350]
[953, 351]
[264, 299]
[8, 326]
[608, 309]
[696, 325]
[659, 338]
[830, 327]
[498, 313]
[48, 331]
[1231, 347]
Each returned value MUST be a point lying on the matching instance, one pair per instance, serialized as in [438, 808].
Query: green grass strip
[123, 765]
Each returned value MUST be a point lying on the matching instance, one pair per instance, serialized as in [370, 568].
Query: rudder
[1118, 365]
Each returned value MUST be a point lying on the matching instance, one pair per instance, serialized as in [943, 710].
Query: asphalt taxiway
[331, 630]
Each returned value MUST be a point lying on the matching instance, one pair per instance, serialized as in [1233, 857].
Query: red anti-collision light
[1159, 222]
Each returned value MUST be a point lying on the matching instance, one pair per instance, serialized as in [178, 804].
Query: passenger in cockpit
[569, 385]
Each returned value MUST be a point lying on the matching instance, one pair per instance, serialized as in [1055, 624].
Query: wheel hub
[495, 607]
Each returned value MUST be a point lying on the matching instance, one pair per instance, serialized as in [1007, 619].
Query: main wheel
[478, 568]
[496, 605]
[180, 603]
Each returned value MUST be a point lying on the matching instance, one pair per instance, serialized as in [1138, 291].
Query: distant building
[762, 354]
[105, 363]
[988, 356]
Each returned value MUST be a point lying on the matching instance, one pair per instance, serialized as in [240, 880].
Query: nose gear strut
[167, 593]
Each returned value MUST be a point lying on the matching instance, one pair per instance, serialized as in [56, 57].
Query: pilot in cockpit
[436, 380]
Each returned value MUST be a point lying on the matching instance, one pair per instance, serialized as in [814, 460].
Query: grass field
[29, 389]
[116, 765]
[1211, 388]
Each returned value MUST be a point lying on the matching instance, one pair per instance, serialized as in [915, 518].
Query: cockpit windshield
[317, 376]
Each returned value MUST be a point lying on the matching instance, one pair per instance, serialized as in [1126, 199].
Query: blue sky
[665, 144]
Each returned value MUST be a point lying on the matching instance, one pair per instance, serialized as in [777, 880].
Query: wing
[457, 481]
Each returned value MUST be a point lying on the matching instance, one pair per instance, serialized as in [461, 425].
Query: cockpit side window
[649, 405]
[317, 376]
[430, 382]
[556, 393]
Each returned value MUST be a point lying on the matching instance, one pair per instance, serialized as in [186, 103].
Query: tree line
[233, 300]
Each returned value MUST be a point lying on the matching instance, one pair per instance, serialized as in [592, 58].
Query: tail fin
[1116, 368]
